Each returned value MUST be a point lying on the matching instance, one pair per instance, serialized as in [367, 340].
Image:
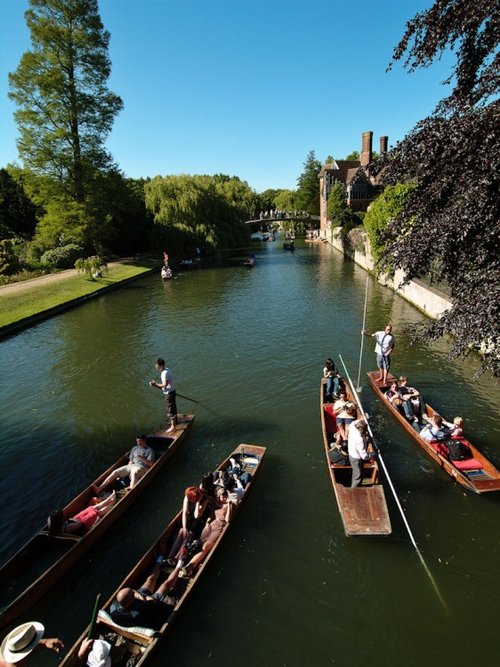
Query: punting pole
[358, 387]
[381, 460]
[186, 397]
[94, 616]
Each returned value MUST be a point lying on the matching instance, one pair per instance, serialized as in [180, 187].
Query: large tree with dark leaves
[449, 224]
[65, 110]
[308, 185]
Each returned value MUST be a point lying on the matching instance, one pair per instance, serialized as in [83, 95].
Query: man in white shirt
[166, 384]
[356, 447]
[383, 349]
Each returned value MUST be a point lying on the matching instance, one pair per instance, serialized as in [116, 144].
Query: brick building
[360, 188]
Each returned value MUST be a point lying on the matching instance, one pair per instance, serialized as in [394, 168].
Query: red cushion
[468, 464]
[440, 448]
[330, 420]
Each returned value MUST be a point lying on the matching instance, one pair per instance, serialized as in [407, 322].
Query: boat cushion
[330, 420]
[468, 464]
[440, 448]
[135, 629]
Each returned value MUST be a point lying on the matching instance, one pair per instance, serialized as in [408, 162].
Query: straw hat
[21, 641]
[99, 655]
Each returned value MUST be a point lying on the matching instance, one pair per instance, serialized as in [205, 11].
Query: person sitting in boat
[22, 641]
[211, 532]
[148, 606]
[412, 402]
[345, 412]
[194, 507]
[81, 522]
[456, 428]
[436, 429]
[141, 458]
[331, 373]
[164, 274]
[95, 653]
[392, 395]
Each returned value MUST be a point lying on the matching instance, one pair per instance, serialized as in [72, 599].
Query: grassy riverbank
[36, 296]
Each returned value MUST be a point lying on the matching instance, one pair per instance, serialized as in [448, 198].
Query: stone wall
[430, 301]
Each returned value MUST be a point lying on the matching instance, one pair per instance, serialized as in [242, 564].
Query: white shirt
[355, 444]
[168, 380]
[385, 342]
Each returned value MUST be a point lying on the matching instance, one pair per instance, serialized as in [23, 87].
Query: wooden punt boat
[289, 245]
[250, 261]
[364, 509]
[42, 561]
[141, 642]
[475, 472]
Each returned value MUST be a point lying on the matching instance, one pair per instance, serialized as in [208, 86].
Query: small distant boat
[190, 263]
[250, 261]
[42, 561]
[139, 643]
[289, 245]
[474, 472]
[364, 509]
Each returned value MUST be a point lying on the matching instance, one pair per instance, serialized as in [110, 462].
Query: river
[287, 587]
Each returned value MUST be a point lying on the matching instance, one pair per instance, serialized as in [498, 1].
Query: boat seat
[136, 632]
[468, 464]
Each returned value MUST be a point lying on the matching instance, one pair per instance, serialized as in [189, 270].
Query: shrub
[93, 266]
[9, 261]
[63, 257]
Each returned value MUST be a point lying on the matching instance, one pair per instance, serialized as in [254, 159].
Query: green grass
[37, 298]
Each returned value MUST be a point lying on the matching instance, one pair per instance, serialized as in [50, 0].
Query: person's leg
[181, 536]
[385, 368]
[136, 472]
[408, 409]
[105, 505]
[357, 471]
[152, 580]
[124, 471]
[380, 368]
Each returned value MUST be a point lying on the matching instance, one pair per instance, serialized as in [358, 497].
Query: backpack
[456, 451]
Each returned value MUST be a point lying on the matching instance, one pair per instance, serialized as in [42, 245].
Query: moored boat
[250, 261]
[474, 472]
[289, 245]
[140, 642]
[47, 556]
[363, 510]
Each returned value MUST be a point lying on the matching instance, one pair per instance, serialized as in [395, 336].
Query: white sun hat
[21, 641]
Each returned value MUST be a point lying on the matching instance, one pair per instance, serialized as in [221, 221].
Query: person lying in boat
[81, 522]
[435, 429]
[345, 412]
[148, 606]
[232, 471]
[141, 458]
[194, 508]
[94, 653]
[413, 404]
[210, 533]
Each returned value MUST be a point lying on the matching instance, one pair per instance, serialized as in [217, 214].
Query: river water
[287, 587]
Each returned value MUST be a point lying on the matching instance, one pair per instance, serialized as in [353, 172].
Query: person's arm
[53, 644]
[185, 508]
[84, 649]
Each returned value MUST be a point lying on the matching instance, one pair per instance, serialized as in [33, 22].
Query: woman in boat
[457, 428]
[211, 532]
[392, 395]
[330, 372]
[345, 414]
[83, 521]
[193, 513]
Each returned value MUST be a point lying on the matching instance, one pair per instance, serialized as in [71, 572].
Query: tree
[380, 214]
[308, 185]
[65, 111]
[450, 219]
[18, 214]
[338, 211]
[352, 156]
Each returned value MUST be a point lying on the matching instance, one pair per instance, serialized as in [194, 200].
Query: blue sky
[245, 87]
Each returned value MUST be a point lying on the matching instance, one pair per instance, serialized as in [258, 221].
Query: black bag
[336, 456]
[457, 451]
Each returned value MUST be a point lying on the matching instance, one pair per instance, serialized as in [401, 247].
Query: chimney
[366, 148]
[383, 145]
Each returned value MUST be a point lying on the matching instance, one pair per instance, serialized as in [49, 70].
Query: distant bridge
[283, 218]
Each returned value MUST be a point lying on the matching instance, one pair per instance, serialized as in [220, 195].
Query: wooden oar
[359, 388]
[94, 616]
